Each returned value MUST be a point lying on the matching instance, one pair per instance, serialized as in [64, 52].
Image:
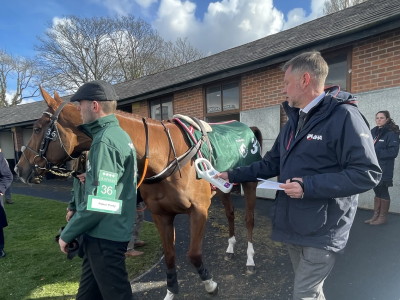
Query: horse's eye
[37, 130]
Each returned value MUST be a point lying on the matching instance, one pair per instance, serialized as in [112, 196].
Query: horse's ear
[58, 98]
[49, 100]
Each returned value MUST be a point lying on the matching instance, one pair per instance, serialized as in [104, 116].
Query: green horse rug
[231, 144]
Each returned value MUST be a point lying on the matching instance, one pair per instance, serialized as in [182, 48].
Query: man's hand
[81, 177]
[223, 175]
[293, 189]
[63, 246]
[69, 215]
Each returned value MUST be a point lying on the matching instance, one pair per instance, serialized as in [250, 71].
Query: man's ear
[305, 79]
[96, 106]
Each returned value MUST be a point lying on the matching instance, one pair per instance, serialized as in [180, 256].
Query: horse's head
[55, 140]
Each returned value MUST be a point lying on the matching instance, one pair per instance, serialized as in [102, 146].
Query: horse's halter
[52, 134]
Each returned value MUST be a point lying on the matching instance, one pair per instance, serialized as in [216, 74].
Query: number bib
[105, 200]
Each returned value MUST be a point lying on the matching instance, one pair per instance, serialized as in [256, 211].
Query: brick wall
[190, 102]
[262, 88]
[141, 108]
[18, 138]
[376, 63]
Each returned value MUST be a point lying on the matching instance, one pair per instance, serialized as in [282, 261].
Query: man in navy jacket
[324, 165]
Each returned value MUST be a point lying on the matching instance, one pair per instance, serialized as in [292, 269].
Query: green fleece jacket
[111, 151]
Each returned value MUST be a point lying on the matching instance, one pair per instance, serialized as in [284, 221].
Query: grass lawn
[34, 267]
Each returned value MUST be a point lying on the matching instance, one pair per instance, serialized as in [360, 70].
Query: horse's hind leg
[198, 218]
[230, 215]
[249, 189]
[165, 226]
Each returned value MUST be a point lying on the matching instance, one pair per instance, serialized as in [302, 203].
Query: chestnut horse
[56, 139]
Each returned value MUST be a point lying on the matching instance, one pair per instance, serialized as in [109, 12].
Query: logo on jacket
[316, 137]
[243, 150]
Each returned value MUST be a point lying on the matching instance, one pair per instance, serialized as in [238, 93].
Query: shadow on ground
[368, 270]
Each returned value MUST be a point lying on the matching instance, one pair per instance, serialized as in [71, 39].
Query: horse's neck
[134, 126]
[160, 151]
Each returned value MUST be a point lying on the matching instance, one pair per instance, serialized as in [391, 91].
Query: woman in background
[5, 181]
[386, 142]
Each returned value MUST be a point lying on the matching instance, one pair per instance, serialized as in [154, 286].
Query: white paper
[269, 184]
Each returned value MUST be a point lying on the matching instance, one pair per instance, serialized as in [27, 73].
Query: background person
[6, 179]
[7, 196]
[386, 142]
[324, 162]
[110, 182]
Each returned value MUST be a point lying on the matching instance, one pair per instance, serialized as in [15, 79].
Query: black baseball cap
[97, 90]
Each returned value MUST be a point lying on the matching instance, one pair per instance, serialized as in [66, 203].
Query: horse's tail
[257, 134]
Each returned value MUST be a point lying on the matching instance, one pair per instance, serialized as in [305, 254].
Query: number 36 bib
[105, 200]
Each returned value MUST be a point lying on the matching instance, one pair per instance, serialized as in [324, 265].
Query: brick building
[361, 45]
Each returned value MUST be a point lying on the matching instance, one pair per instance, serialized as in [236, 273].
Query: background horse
[56, 139]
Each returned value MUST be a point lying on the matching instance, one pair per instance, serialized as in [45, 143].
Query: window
[161, 109]
[223, 98]
[338, 69]
[222, 118]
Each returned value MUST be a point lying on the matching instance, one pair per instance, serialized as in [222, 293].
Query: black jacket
[386, 144]
[334, 154]
[5, 181]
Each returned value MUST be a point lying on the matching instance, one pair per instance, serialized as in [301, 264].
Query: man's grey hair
[310, 62]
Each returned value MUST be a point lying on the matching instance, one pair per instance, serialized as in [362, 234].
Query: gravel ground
[273, 276]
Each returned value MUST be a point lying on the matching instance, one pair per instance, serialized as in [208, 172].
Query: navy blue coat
[5, 181]
[386, 144]
[335, 156]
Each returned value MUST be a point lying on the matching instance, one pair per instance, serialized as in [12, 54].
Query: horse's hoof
[229, 256]
[169, 295]
[214, 292]
[250, 270]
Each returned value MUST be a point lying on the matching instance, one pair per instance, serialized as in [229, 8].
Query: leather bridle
[51, 135]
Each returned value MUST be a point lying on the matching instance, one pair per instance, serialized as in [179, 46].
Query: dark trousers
[104, 275]
[382, 191]
[1, 238]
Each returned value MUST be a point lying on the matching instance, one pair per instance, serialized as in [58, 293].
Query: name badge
[104, 205]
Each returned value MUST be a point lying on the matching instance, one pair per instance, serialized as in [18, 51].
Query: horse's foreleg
[230, 215]
[198, 218]
[165, 226]
[249, 189]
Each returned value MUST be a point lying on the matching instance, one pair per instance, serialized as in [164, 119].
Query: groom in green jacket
[108, 209]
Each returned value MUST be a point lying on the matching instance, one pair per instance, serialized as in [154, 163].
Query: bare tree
[331, 6]
[17, 79]
[77, 50]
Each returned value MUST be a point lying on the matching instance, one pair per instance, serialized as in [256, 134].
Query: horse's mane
[137, 117]
[127, 115]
